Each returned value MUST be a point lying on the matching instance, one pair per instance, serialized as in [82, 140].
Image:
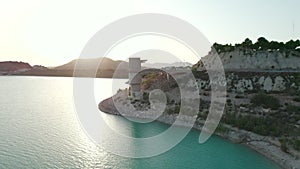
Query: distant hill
[85, 64]
[9, 67]
[106, 69]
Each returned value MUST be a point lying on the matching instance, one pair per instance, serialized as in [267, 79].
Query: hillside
[106, 69]
[9, 67]
[104, 64]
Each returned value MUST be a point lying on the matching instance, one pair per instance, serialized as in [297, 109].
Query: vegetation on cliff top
[261, 44]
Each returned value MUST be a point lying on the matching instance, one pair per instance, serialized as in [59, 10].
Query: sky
[53, 32]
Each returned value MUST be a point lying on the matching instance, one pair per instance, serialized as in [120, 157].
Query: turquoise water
[39, 129]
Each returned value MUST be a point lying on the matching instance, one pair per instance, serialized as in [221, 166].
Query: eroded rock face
[279, 84]
[261, 80]
[269, 82]
[271, 71]
[244, 85]
[243, 59]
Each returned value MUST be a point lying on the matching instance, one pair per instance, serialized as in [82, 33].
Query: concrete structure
[135, 79]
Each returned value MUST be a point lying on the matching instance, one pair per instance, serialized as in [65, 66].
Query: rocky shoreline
[265, 145]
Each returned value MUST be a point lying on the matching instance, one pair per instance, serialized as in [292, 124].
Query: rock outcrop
[250, 70]
[250, 60]
[240, 82]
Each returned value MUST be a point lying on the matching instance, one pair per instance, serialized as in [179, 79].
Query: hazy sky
[52, 32]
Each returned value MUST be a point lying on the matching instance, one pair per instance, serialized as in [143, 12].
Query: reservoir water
[39, 129]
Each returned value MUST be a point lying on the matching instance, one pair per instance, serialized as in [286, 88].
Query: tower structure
[135, 79]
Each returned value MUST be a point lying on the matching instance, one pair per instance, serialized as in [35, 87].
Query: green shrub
[283, 146]
[194, 69]
[145, 96]
[266, 101]
[243, 105]
[176, 109]
[297, 99]
[265, 126]
[202, 115]
[292, 109]
[221, 129]
[229, 103]
[239, 96]
[297, 144]
[293, 92]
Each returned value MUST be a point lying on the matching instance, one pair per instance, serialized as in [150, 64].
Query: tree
[281, 46]
[292, 44]
[274, 45]
[297, 44]
[217, 47]
[262, 43]
[227, 48]
[247, 43]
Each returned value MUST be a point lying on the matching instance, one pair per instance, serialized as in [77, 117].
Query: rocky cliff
[251, 60]
[263, 90]
[251, 82]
